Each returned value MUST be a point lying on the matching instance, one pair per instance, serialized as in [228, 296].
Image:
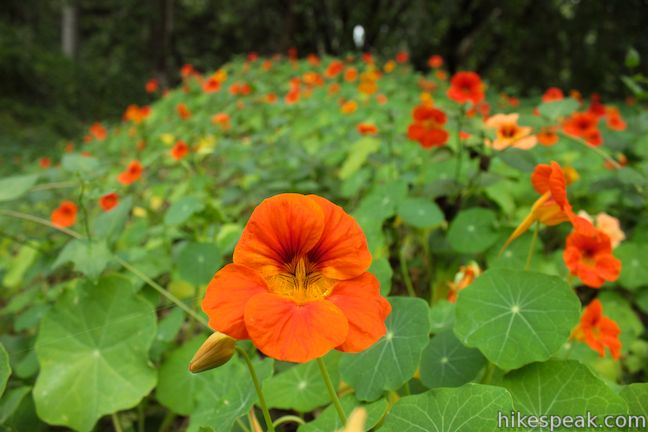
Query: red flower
[590, 258]
[466, 87]
[435, 61]
[152, 85]
[98, 132]
[179, 150]
[583, 125]
[183, 111]
[109, 201]
[552, 94]
[402, 57]
[299, 285]
[44, 162]
[64, 215]
[211, 85]
[427, 126]
[598, 331]
[132, 173]
[334, 69]
[367, 128]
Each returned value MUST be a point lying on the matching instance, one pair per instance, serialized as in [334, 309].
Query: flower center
[301, 281]
[508, 131]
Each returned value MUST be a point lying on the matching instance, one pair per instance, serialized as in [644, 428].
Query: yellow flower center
[301, 281]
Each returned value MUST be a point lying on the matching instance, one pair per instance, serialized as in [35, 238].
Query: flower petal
[286, 331]
[227, 293]
[342, 252]
[279, 229]
[366, 310]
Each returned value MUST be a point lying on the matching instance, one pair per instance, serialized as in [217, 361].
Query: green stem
[405, 271]
[242, 425]
[84, 211]
[167, 422]
[460, 145]
[488, 373]
[596, 150]
[116, 424]
[39, 220]
[532, 246]
[332, 393]
[406, 389]
[259, 390]
[288, 419]
[141, 419]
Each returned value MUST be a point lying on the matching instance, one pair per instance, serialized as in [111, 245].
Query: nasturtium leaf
[89, 257]
[473, 231]
[381, 203]
[634, 274]
[391, 361]
[16, 186]
[358, 154]
[446, 362]
[636, 396]
[76, 162]
[5, 368]
[18, 266]
[383, 271]
[197, 262]
[109, 225]
[516, 317]
[561, 387]
[182, 210]
[521, 160]
[473, 407]
[170, 325]
[420, 213]
[442, 315]
[228, 393]
[329, 421]
[10, 402]
[556, 109]
[93, 353]
[301, 387]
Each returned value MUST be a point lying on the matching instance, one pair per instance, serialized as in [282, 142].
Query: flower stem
[289, 418]
[405, 271]
[116, 423]
[460, 144]
[596, 150]
[332, 393]
[259, 390]
[532, 246]
[488, 373]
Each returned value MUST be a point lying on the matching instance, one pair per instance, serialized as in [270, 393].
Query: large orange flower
[64, 215]
[584, 125]
[509, 133]
[466, 87]
[598, 331]
[590, 258]
[427, 126]
[299, 285]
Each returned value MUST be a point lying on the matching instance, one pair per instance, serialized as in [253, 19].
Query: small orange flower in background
[466, 87]
[136, 114]
[64, 215]
[614, 120]
[271, 98]
[367, 128]
[547, 136]
[553, 207]
[441, 75]
[299, 286]
[389, 67]
[334, 69]
[109, 201]
[222, 119]
[183, 111]
[152, 85]
[466, 275]
[367, 57]
[435, 61]
[427, 127]
[349, 107]
[266, 65]
[69, 147]
[381, 99]
[598, 331]
[132, 173]
[44, 162]
[368, 82]
[351, 74]
[509, 133]
[402, 57]
[292, 53]
[179, 150]
[252, 56]
[553, 94]
[187, 70]
[583, 125]
[596, 107]
[608, 224]
[292, 96]
[590, 258]
[313, 59]
[98, 132]
[313, 79]
[334, 88]
[211, 85]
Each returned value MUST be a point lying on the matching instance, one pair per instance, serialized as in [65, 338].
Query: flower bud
[213, 353]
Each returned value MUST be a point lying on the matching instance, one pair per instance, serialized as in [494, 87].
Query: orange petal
[342, 252]
[227, 294]
[286, 331]
[608, 267]
[366, 310]
[280, 228]
[540, 178]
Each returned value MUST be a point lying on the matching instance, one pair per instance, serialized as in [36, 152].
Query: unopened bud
[213, 353]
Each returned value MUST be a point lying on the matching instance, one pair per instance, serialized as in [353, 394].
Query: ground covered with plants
[376, 249]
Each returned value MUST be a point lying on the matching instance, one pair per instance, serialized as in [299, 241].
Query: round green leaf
[442, 315]
[516, 317]
[16, 186]
[636, 396]
[301, 387]
[420, 213]
[445, 362]
[329, 421]
[556, 109]
[182, 210]
[197, 262]
[5, 368]
[93, 354]
[561, 387]
[89, 257]
[633, 273]
[473, 407]
[473, 231]
[391, 361]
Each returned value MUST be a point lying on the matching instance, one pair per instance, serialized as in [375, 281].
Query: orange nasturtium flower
[509, 133]
[614, 120]
[131, 174]
[152, 85]
[552, 94]
[466, 87]
[608, 224]
[553, 207]
[334, 69]
[462, 279]
[98, 132]
[349, 107]
[109, 201]
[583, 125]
[136, 114]
[599, 331]
[179, 150]
[427, 127]
[435, 61]
[183, 111]
[44, 162]
[367, 128]
[547, 136]
[299, 285]
[590, 258]
[64, 215]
